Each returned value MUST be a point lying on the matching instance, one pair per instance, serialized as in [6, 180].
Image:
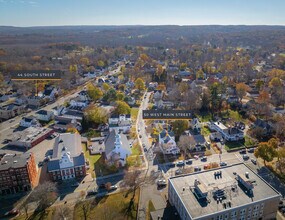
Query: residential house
[157, 97]
[44, 115]
[35, 101]
[265, 126]
[50, 92]
[216, 136]
[18, 172]
[167, 143]
[68, 161]
[117, 148]
[83, 96]
[195, 124]
[197, 142]
[62, 123]
[10, 111]
[184, 73]
[29, 121]
[90, 75]
[120, 123]
[152, 85]
[228, 133]
[78, 102]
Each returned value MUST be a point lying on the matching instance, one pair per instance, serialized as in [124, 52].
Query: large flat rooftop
[234, 192]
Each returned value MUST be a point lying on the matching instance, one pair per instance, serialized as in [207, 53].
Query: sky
[143, 12]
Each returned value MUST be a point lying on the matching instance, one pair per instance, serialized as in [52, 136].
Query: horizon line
[134, 25]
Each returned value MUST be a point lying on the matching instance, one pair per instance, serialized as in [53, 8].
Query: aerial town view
[142, 110]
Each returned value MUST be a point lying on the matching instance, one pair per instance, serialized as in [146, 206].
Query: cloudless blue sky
[148, 12]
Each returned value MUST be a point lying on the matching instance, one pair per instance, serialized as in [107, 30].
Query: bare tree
[85, 206]
[63, 213]
[184, 144]
[44, 195]
[133, 180]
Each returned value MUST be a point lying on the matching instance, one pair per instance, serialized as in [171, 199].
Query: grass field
[44, 215]
[116, 206]
[134, 113]
[134, 159]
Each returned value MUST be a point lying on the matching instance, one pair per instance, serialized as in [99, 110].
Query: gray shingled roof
[14, 161]
[53, 165]
[110, 142]
[72, 142]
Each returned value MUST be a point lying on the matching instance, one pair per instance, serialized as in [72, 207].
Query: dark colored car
[92, 192]
[102, 186]
[197, 169]
[171, 165]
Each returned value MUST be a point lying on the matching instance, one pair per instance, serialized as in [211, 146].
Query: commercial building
[68, 159]
[17, 173]
[228, 133]
[29, 137]
[234, 192]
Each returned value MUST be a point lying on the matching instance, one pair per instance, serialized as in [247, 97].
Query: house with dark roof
[29, 121]
[63, 123]
[167, 142]
[10, 111]
[44, 115]
[68, 161]
[50, 92]
[228, 133]
[197, 142]
[265, 126]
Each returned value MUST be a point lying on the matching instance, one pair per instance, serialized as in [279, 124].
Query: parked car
[189, 161]
[245, 157]
[91, 192]
[250, 150]
[13, 212]
[242, 151]
[222, 164]
[113, 187]
[196, 157]
[40, 164]
[253, 161]
[140, 136]
[75, 184]
[204, 159]
[145, 150]
[161, 182]
[180, 163]
[178, 172]
[197, 169]
[102, 186]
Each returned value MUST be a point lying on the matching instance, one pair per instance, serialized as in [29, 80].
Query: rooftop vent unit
[15, 161]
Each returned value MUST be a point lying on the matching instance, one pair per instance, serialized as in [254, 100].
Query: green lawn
[97, 164]
[205, 131]
[134, 113]
[116, 206]
[282, 54]
[234, 145]
[249, 142]
[150, 209]
[134, 159]
[204, 116]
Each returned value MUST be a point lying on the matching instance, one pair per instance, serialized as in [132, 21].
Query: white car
[114, 187]
[161, 182]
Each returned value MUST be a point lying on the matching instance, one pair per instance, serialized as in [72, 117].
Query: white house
[228, 133]
[195, 124]
[44, 115]
[167, 143]
[78, 102]
[157, 97]
[120, 123]
[83, 96]
[29, 121]
[117, 148]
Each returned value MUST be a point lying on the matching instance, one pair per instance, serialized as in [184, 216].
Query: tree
[63, 213]
[44, 195]
[122, 108]
[241, 89]
[179, 126]
[72, 130]
[73, 68]
[85, 206]
[133, 180]
[184, 144]
[110, 96]
[265, 152]
[280, 165]
[101, 63]
[273, 142]
[200, 74]
[159, 71]
[140, 84]
[120, 96]
[105, 87]
[84, 61]
[94, 93]
[94, 114]
[215, 100]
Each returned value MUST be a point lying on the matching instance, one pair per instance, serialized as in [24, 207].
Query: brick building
[17, 173]
[68, 159]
